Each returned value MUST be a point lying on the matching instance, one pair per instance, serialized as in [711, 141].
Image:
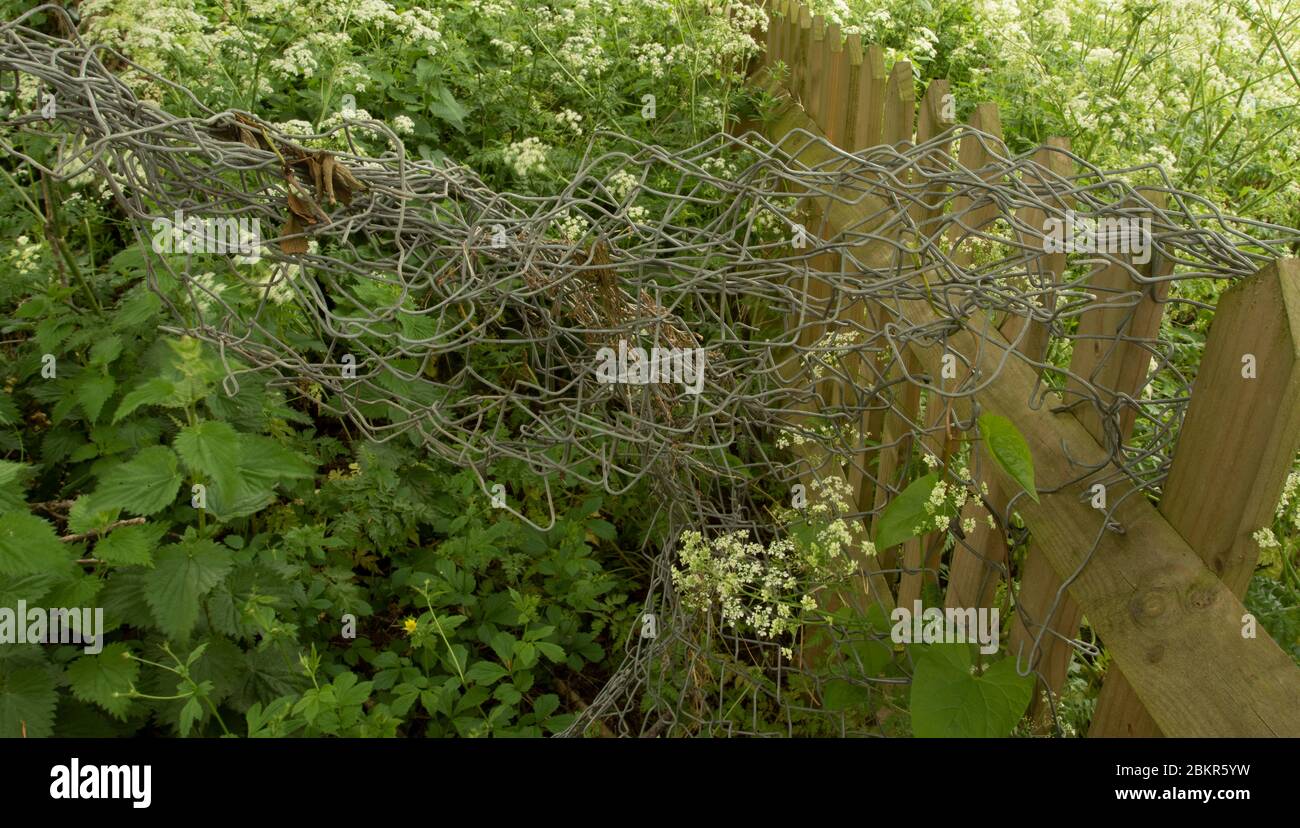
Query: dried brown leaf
[296, 245]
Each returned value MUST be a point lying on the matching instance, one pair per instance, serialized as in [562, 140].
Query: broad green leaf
[906, 515]
[265, 460]
[554, 652]
[448, 108]
[1008, 447]
[211, 449]
[842, 695]
[182, 574]
[146, 484]
[89, 515]
[157, 391]
[27, 702]
[8, 410]
[95, 678]
[93, 391]
[12, 495]
[130, 545]
[106, 349]
[947, 701]
[485, 672]
[28, 545]
[137, 309]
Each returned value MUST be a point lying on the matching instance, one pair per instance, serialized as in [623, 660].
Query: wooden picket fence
[1164, 596]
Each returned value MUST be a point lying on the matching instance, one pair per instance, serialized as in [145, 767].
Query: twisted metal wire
[416, 287]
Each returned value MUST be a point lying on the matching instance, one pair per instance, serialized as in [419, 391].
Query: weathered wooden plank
[817, 464]
[920, 563]
[835, 87]
[1235, 449]
[1110, 352]
[811, 94]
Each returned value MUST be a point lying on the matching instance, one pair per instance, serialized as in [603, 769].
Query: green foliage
[908, 514]
[951, 698]
[261, 572]
[1008, 447]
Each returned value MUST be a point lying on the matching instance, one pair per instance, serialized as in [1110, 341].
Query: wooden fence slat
[900, 105]
[866, 91]
[1107, 350]
[973, 569]
[811, 96]
[836, 103]
[874, 584]
[774, 50]
[918, 555]
[869, 117]
[1234, 451]
[1040, 588]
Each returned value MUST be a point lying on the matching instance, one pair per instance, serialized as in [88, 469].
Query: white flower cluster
[568, 119]
[583, 55]
[1287, 514]
[764, 589]
[297, 60]
[656, 58]
[403, 125]
[828, 353]
[622, 183]
[512, 49]
[24, 256]
[526, 157]
[572, 228]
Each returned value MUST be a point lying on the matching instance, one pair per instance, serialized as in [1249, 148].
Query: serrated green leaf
[27, 702]
[105, 350]
[92, 391]
[263, 459]
[29, 545]
[157, 391]
[139, 307]
[906, 515]
[96, 678]
[131, 545]
[12, 495]
[948, 701]
[88, 515]
[545, 705]
[146, 484]
[8, 410]
[1008, 447]
[190, 713]
[210, 448]
[183, 573]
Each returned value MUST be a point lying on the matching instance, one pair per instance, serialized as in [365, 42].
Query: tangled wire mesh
[491, 326]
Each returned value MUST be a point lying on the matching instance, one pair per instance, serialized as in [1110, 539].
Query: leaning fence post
[1109, 353]
[1238, 441]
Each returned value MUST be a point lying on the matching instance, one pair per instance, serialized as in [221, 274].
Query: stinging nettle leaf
[145, 484]
[130, 545]
[96, 678]
[28, 545]
[27, 702]
[210, 448]
[1008, 447]
[183, 573]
